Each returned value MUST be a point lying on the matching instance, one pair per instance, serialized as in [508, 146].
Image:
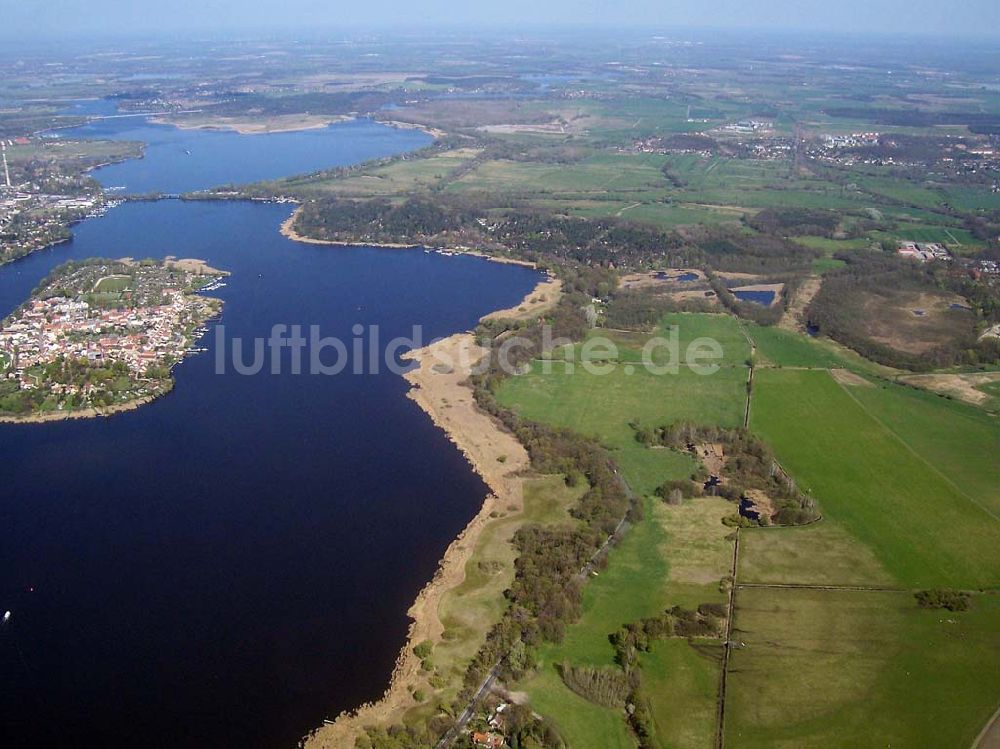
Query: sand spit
[440, 388]
[541, 300]
[262, 126]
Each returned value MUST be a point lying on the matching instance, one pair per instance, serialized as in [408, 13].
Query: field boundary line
[808, 586]
[720, 723]
[913, 452]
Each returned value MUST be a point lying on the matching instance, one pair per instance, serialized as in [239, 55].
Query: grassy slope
[923, 529]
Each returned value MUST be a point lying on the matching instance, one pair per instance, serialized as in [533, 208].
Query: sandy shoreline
[439, 386]
[276, 124]
[283, 124]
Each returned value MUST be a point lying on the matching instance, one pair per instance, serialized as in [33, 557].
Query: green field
[112, 285]
[819, 554]
[821, 668]
[922, 528]
[681, 682]
[600, 174]
[602, 405]
[784, 348]
[400, 177]
[675, 556]
[582, 724]
[962, 441]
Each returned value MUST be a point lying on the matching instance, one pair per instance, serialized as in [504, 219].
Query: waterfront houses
[100, 333]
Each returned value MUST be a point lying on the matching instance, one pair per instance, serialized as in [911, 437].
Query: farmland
[888, 465]
[923, 528]
[863, 669]
[675, 556]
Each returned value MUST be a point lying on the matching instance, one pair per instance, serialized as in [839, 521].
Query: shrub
[942, 598]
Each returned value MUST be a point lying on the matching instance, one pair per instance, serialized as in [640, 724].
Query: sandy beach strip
[263, 126]
[544, 298]
[440, 387]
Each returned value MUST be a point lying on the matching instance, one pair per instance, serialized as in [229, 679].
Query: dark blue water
[232, 563]
[747, 511]
[763, 298]
[680, 277]
[183, 160]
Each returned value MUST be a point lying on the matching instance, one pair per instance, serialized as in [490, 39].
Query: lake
[232, 563]
[178, 160]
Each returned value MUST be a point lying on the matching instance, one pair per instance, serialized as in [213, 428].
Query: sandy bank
[439, 387]
[541, 300]
[431, 131]
[275, 124]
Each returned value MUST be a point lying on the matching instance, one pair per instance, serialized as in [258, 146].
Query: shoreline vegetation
[84, 413]
[445, 395]
[288, 231]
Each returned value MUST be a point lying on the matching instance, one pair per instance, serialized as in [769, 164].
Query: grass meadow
[822, 668]
[921, 526]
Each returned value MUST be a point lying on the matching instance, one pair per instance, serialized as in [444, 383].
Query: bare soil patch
[846, 377]
[961, 386]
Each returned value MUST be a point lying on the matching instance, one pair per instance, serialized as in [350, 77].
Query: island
[102, 336]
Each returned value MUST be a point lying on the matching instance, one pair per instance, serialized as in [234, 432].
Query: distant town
[44, 189]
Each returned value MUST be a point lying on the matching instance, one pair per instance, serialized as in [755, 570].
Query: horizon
[977, 19]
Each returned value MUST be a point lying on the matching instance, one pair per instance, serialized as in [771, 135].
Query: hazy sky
[44, 17]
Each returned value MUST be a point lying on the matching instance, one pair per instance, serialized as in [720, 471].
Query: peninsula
[102, 336]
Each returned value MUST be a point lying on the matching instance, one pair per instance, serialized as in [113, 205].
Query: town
[102, 333]
[44, 189]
